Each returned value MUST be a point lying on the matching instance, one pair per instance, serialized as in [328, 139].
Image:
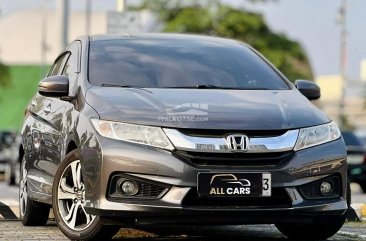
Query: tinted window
[159, 63]
[68, 67]
[57, 67]
[351, 139]
[71, 66]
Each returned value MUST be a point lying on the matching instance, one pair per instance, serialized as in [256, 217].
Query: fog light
[129, 187]
[326, 188]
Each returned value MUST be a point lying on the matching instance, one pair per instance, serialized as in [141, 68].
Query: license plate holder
[234, 184]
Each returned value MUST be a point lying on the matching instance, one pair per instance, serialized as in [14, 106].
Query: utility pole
[342, 17]
[121, 5]
[44, 46]
[65, 23]
[88, 16]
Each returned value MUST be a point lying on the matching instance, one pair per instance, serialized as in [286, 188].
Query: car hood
[206, 108]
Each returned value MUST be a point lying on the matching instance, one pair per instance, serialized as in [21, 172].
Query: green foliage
[4, 75]
[183, 21]
[14, 99]
[214, 18]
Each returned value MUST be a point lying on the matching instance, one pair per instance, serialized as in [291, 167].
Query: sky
[314, 24]
[311, 22]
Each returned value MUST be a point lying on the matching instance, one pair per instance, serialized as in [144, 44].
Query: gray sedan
[178, 129]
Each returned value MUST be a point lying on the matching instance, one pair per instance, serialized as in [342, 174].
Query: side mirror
[54, 86]
[309, 89]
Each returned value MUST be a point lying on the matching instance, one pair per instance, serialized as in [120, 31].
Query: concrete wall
[21, 34]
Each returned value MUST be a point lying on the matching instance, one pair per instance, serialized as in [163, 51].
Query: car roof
[165, 36]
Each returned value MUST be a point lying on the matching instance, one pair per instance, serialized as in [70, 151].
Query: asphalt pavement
[15, 231]
[358, 200]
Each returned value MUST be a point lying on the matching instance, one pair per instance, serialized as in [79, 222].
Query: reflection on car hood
[206, 108]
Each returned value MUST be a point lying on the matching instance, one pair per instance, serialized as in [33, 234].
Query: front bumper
[158, 215]
[111, 157]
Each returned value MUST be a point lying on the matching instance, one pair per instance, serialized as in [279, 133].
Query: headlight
[317, 135]
[147, 135]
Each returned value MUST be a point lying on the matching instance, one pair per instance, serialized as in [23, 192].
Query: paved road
[357, 195]
[14, 230]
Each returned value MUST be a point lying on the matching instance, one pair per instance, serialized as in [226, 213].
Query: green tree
[4, 75]
[215, 18]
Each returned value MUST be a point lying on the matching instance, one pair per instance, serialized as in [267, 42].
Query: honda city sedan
[169, 129]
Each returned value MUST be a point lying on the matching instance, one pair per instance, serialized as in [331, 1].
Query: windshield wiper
[208, 86]
[120, 85]
[202, 86]
[125, 86]
[199, 86]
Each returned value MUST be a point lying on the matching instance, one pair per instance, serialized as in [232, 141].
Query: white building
[331, 91]
[22, 32]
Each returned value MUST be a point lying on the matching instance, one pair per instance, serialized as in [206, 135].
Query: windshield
[179, 63]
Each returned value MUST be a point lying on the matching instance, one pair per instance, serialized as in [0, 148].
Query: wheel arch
[71, 146]
[71, 143]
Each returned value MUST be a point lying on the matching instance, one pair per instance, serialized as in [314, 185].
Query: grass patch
[14, 99]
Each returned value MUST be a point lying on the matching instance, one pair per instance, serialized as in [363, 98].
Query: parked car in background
[12, 164]
[178, 129]
[9, 146]
[356, 158]
[5, 142]
[361, 134]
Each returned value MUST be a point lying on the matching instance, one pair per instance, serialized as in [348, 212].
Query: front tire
[68, 204]
[313, 231]
[316, 231]
[31, 213]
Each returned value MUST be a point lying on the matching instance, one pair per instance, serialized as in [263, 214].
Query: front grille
[223, 133]
[203, 159]
[150, 190]
[279, 199]
[147, 189]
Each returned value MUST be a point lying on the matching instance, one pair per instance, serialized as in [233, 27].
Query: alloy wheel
[23, 191]
[71, 198]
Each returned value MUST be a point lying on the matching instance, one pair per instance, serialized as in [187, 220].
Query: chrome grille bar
[280, 143]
